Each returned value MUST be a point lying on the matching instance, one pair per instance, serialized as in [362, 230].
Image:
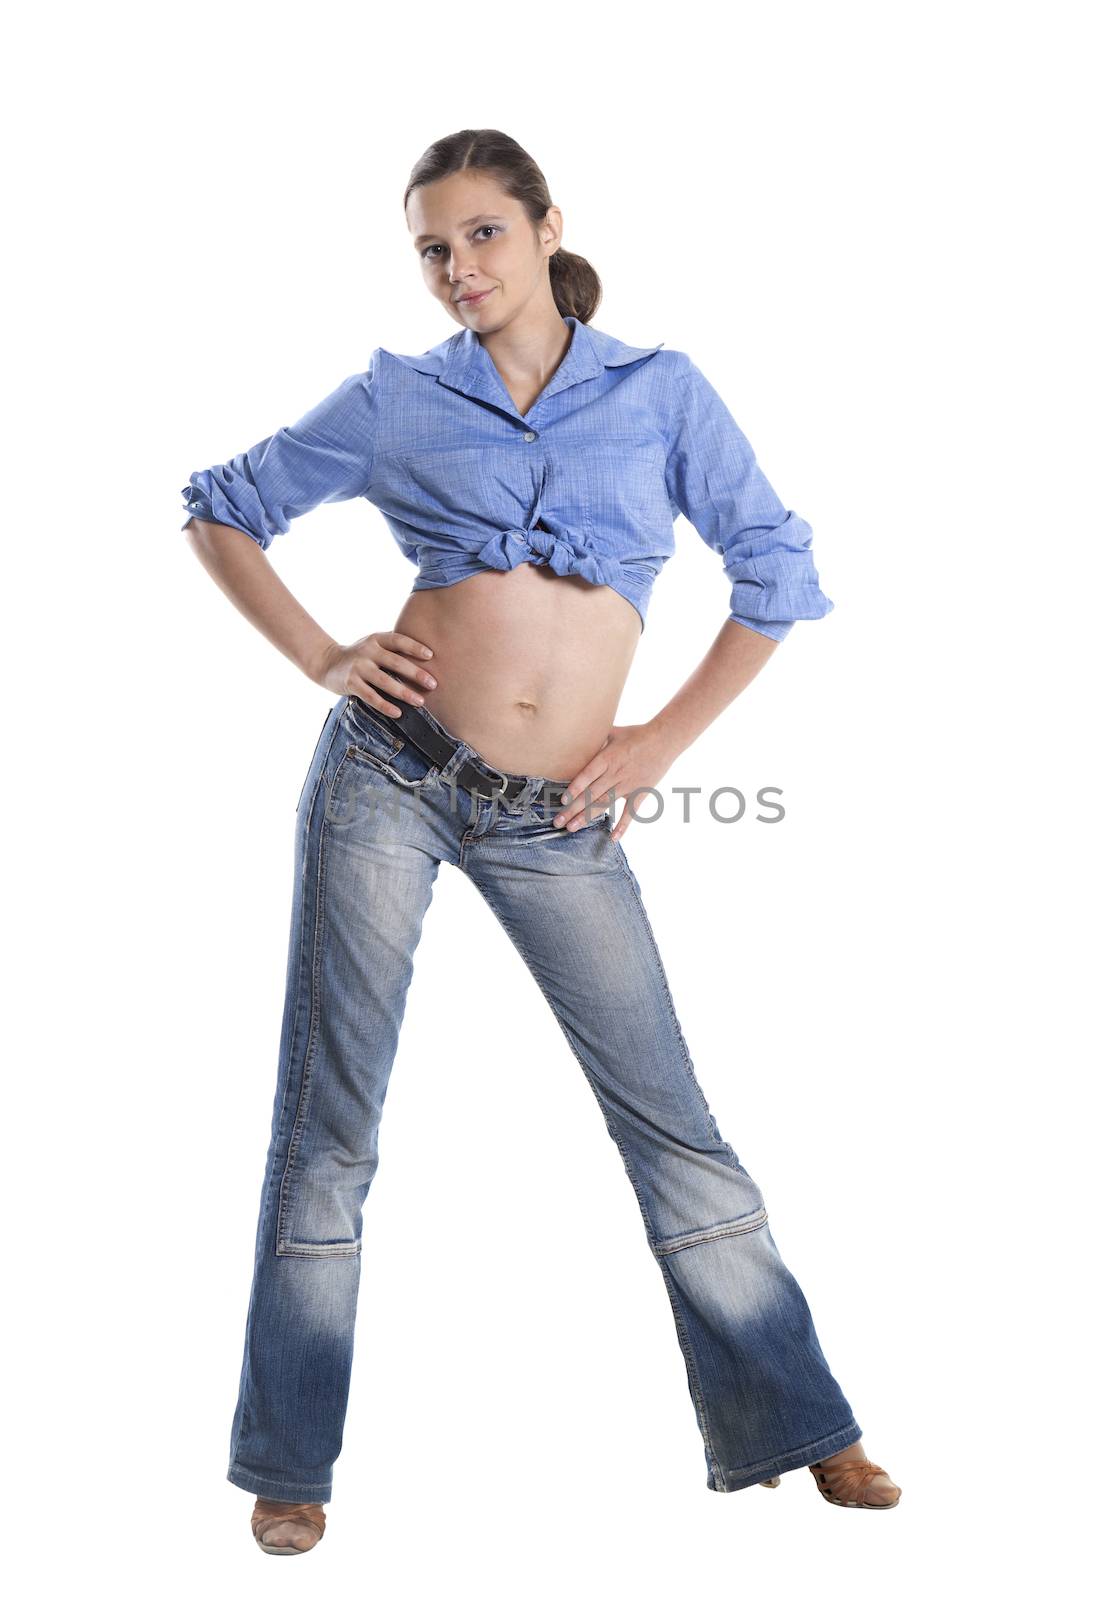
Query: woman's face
[474, 239]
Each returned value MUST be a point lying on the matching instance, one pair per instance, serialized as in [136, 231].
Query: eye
[487, 227]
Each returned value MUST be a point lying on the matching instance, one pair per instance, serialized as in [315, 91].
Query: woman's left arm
[637, 757]
[714, 479]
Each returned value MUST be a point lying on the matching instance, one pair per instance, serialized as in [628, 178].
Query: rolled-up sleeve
[326, 455]
[713, 478]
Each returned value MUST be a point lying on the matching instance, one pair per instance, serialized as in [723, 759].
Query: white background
[869, 225]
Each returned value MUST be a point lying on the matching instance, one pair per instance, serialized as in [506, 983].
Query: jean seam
[299, 953]
[258, 1477]
[686, 1058]
[727, 1230]
[298, 1127]
[777, 1463]
[470, 835]
[694, 1385]
[292, 1046]
[320, 784]
[313, 757]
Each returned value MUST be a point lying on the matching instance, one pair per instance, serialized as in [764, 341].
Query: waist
[530, 666]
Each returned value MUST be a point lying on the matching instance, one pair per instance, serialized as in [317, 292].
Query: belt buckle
[494, 794]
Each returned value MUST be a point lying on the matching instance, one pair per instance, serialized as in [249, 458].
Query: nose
[460, 268]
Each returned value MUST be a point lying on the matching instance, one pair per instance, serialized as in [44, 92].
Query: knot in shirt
[567, 554]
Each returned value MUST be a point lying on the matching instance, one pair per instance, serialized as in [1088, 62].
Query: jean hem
[728, 1482]
[270, 1489]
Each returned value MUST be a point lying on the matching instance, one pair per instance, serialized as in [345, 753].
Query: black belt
[478, 777]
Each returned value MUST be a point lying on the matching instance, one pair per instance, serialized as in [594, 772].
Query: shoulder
[666, 370]
[616, 352]
[661, 362]
[613, 352]
[387, 372]
[432, 361]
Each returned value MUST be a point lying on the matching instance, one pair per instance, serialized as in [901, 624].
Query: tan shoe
[852, 1482]
[770, 1483]
[285, 1527]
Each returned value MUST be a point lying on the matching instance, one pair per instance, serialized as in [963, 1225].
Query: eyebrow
[486, 216]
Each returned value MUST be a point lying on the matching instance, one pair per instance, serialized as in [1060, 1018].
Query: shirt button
[528, 437]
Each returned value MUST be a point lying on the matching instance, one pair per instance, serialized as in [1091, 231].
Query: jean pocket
[376, 743]
[596, 818]
[536, 822]
[373, 730]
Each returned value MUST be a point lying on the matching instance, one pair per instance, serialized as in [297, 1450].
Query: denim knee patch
[718, 1230]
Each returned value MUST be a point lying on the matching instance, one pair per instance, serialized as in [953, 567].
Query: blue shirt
[589, 481]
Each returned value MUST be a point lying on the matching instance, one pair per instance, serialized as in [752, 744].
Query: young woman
[531, 466]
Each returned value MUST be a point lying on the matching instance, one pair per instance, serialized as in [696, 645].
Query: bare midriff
[529, 665]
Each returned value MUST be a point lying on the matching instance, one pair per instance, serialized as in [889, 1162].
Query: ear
[550, 229]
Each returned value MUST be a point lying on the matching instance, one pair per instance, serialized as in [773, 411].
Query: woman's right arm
[370, 668]
[243, 572]
[239, 508]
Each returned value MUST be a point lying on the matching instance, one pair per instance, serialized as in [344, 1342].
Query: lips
[472, 299]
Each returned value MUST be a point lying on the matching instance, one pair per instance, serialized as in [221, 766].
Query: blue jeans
[375, 819]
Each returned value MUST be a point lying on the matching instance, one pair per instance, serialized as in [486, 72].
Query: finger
[394, 686]
[403, 664]
[402, 641]
[574, 806]
[584, 784]
[584, 810]
[370, 698]
[382, 684]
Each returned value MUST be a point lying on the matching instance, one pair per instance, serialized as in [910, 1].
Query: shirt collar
[463, 363]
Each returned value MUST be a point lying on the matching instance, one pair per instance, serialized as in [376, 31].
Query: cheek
[513, 260]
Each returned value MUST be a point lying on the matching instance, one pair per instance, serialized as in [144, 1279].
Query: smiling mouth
[470, 299]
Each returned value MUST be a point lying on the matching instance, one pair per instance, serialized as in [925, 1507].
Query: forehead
[456, 201]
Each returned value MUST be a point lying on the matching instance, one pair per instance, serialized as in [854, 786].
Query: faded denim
[375, 819]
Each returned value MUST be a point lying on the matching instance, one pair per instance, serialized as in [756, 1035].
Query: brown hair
[574, 283]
